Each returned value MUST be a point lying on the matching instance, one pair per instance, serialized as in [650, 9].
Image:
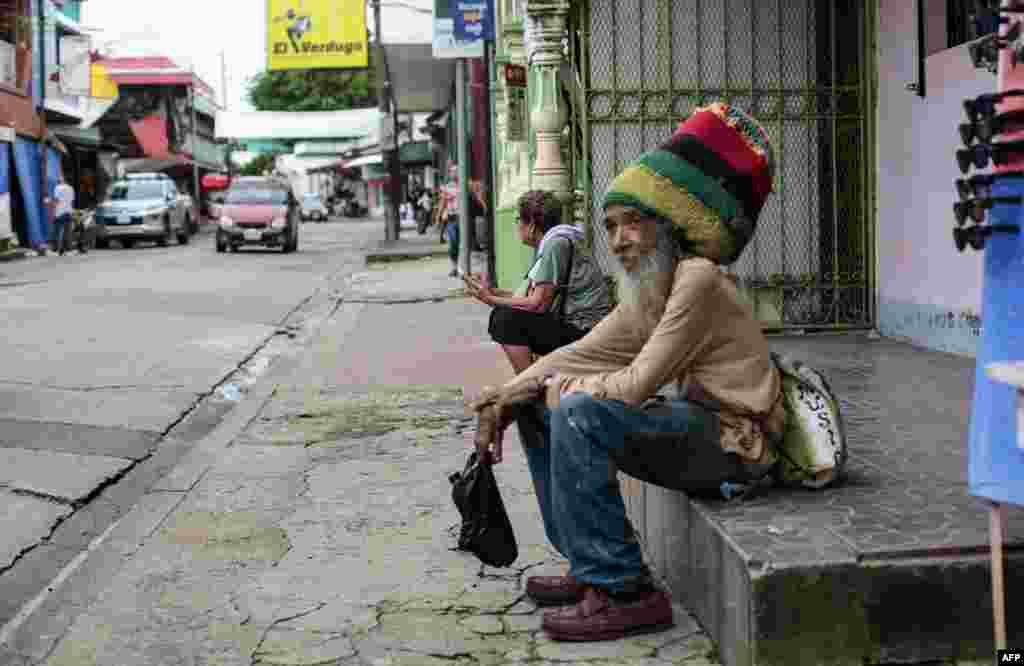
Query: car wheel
[221, 244]
[165, 240]
[234, 248]
[127, 243]
[102, 243]
[185, 231]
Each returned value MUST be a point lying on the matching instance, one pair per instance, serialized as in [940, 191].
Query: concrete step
[889, 567]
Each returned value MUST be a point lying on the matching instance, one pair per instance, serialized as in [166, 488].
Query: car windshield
[311, 198]
[252, 195]
[136, 189]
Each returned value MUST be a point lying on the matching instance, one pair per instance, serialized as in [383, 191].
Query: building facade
[857, 233]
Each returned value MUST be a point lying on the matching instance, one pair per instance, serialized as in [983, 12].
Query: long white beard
[644, 290]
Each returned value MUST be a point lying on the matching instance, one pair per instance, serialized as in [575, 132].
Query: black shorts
[542, 332]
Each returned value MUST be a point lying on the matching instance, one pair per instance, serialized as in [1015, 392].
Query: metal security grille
[796, 65]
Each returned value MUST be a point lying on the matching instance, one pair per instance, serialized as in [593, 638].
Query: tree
[257, 165]
[312, 90]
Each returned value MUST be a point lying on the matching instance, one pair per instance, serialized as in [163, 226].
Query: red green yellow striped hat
[710, 180]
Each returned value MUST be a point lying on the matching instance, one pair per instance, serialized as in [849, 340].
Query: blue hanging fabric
[995, 468]
[52, 171]
[5, 168]
[27, 164]
[5, 184]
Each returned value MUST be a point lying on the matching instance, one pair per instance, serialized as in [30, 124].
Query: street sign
[445, 44]
[474, 20]
[75, 65]
[515, 99]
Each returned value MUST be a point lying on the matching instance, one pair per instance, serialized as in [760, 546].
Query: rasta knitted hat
[710, 181]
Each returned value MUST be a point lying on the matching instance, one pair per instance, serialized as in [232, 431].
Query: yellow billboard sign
[101, 84]
[316, 34]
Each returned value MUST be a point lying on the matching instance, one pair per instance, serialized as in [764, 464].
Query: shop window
[15, 43]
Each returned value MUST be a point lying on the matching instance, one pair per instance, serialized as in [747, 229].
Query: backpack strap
[564, 287]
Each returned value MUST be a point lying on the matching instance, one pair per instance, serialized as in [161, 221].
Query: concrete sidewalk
[315, 525]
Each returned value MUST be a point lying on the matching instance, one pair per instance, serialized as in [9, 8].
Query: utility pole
[488, 174]
[195, 151]
[43, 131]
[223, 80]
[462, 139]
[391, 220]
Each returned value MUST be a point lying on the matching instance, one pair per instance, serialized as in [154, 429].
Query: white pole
[224, 79]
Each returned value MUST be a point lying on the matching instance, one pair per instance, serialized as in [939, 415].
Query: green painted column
[512, 160]
[514, 258]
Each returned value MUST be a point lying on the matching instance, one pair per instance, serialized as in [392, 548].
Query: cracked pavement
[321, 529]
[340, 553]
[112, 362]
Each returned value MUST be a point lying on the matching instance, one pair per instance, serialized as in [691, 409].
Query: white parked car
[312, 208]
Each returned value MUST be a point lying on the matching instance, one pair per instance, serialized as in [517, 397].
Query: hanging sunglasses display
[980, 154]
[975, 236]
[975, 208]
[985, 105]
[988, 126]
[984, 52]
[979, 186]
[984, 124]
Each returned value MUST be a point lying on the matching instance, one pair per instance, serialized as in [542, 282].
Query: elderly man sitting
[671, 217]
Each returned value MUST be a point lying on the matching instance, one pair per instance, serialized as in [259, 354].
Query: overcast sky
[194, 32]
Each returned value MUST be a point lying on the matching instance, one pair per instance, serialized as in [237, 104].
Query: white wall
[928, 292]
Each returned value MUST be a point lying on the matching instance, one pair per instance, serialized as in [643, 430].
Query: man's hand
[559, 386]
[494, 408]
[490, 433]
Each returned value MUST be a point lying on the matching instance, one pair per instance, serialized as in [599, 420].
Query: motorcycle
[354, 209]
[351, 206]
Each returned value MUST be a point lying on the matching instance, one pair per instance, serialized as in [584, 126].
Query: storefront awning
[364, 160]
[151, 133]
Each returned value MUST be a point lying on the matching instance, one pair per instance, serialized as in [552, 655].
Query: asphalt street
[117, 361]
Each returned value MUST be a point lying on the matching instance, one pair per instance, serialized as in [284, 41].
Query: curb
[403, 255]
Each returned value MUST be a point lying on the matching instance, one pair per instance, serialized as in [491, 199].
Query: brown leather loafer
[554, 590]
[599, 617]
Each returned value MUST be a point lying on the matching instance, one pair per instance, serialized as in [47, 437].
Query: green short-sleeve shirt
[587, 298]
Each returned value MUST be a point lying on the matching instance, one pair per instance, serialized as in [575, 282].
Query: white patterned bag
[813, 451]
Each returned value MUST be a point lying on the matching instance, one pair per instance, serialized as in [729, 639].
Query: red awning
[151, 133]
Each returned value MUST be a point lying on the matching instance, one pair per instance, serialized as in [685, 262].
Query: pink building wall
[928, 293]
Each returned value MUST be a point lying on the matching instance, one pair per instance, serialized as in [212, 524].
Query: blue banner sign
[474, 20]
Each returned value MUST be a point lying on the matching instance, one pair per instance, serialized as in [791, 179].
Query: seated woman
[563, 295]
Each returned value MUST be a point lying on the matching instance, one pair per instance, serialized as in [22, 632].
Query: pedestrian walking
[671, 217]
[62, 203]
[449, 216]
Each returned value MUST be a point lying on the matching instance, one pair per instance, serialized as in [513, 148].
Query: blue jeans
[60, 226]
[453, 238]
[573, 453]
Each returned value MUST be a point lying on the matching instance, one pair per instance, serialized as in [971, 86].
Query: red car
[258, 211]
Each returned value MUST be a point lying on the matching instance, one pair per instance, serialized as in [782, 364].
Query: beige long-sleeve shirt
[708, 341]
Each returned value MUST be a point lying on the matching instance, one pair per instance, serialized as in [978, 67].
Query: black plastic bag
[486, 530]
